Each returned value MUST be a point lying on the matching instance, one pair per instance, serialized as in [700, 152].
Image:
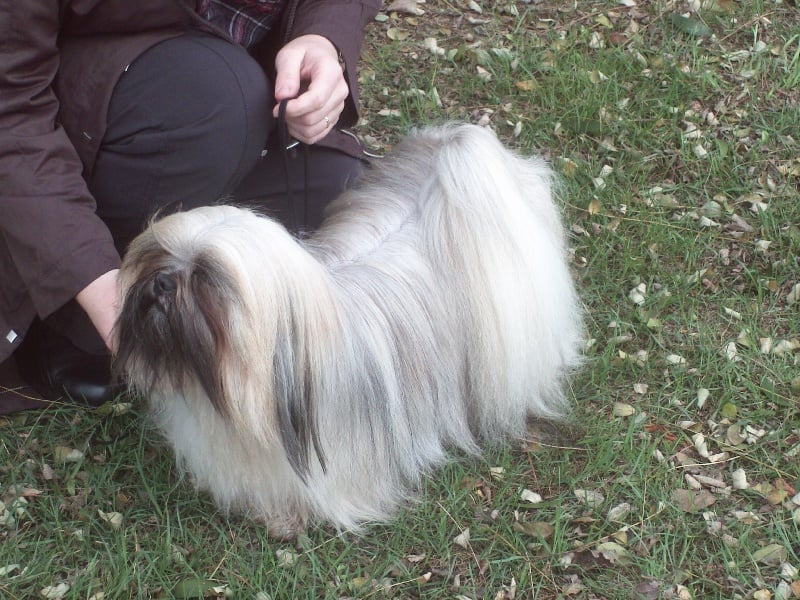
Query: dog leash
[287, 145]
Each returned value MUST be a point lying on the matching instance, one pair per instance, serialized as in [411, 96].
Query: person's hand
[310, 63]
[100, 300]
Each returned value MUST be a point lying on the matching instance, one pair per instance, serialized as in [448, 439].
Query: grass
[589, 85]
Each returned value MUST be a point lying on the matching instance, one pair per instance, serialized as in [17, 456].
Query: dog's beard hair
[319, 380]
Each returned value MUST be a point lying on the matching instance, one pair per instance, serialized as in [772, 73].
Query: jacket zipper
[289, 20]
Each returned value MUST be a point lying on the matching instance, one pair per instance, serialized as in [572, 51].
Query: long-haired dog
[317, 380]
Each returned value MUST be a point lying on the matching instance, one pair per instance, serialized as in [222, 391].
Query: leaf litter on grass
[673, 128]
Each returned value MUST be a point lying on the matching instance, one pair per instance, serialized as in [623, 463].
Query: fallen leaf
[648, 590]
[771, 554]
[397, 34]
[462, 539]
[689, 25]
[529, 496]
[794, 295]
[789, 571]
[405, 6]
[526, 85]
[8, 569]
[711, 209]
[702, 397]
[734, 435]
[537, 529]
[700, 445]
[693, 501]
[112, 518]
[618, 513]
[637, 294]
[739, 480]
[740, 224]
[286, 557]
[195, 587]
[63, 454]
[621, 409]
[612, 551]
[55, 592]
[589, 497]
[675, 359]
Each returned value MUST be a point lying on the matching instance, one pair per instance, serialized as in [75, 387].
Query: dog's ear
[205, 320]
[295, 398]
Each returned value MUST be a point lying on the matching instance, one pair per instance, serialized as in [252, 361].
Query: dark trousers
[190, 124]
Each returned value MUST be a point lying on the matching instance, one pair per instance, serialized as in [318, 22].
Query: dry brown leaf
[397, 34]
[622, 409]
[536, 529]
[771, 554]
[55, 592]
[63, 454]
[114, 519]
[618, 513]
[612, 552]
[462, 539]
[8, 569]
[648, 590]
[526, 85]
[530, 496]
[405, 6]
[739, 224]
[691, 502]
[286, 557]
[589, 497]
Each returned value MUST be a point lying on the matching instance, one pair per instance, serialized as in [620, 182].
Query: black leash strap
[287, 145]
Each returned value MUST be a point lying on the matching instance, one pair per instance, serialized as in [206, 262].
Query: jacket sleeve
[343, 23]
[47, 216]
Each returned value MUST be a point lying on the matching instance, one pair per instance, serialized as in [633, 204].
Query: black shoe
[58, 370]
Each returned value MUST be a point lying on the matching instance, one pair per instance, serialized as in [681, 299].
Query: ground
[674, 129]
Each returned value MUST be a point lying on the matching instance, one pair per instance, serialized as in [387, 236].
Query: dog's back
[485, 219]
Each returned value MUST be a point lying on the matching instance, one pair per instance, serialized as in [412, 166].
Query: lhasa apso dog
[319, 379]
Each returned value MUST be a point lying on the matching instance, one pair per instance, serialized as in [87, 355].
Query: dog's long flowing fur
[318, 380]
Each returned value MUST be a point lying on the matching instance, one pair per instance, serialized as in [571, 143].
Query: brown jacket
[52, 244]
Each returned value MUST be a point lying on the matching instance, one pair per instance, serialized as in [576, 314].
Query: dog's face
[176, 316]
[216, 308]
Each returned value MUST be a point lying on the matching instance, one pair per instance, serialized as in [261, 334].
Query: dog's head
[212, 312]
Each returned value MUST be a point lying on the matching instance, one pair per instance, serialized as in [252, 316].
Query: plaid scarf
[246, 21]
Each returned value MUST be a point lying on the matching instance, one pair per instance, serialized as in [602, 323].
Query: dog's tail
[492, 225]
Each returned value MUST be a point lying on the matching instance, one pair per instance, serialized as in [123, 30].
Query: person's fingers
[288, 64]
[311, 132]
[326, 90]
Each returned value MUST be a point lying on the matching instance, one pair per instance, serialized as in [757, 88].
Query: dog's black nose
[164, 284]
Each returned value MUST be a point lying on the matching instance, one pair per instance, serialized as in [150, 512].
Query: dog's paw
[285, 528]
